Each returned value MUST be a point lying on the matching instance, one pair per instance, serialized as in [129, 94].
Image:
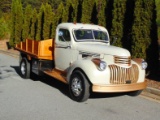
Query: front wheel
[79, 87]
[25, 69]
[135, 93]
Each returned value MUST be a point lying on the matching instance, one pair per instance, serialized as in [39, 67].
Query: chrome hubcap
[23, 68]
[76, 86]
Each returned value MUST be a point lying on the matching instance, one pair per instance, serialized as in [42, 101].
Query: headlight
[141, 62]
[100, 64]
[144, 65]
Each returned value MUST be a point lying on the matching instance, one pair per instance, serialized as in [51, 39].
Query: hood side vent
[86, 54]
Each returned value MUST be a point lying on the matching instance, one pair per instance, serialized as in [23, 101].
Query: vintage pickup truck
[82, 57]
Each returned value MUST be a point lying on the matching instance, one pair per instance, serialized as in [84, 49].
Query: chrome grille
[121, 75]
[122, 60]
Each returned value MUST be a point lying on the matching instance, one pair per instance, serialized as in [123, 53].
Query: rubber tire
[135, 93]
[85, 85]
[27, 68]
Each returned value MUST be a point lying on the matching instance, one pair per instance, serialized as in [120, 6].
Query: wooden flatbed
[37, 49]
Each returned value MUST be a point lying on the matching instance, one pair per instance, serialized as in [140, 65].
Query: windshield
[90, 35]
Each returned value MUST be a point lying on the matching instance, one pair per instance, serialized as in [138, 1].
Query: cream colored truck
[82, 57]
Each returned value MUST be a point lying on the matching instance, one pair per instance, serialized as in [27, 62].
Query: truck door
[63, 52]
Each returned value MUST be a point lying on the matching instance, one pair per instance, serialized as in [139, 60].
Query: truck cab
[82, 57]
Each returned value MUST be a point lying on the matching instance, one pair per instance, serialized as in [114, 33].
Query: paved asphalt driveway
[48, 99]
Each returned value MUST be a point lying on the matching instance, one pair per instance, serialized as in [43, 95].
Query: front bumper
[119, 87]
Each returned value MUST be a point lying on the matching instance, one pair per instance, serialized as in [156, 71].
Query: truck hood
[102, 49]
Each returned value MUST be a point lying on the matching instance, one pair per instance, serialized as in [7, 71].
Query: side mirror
[60, 33]
[113, 39]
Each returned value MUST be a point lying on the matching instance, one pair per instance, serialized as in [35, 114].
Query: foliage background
[158, 18]
[133, 21]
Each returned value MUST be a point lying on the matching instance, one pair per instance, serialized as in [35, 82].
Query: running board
[57, 74]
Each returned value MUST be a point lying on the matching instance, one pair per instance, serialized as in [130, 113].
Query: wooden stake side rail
[37, 49]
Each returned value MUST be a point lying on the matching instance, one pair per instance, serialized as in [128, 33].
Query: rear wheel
[79, 87]
[25, 68]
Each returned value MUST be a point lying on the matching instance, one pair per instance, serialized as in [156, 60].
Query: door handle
[65, 47]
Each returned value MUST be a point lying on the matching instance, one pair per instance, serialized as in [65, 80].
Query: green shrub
[4, 29]
[158, 16]
[159, 35]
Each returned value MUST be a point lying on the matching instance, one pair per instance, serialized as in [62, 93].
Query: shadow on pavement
[106, 95]
[16, 68]
[63, 88]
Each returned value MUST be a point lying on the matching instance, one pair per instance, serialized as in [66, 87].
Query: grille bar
[120, 75]
[122, 60]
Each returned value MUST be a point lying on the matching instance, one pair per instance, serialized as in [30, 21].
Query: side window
[64, 35]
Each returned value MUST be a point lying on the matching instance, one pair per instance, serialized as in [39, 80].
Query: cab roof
[72, 26]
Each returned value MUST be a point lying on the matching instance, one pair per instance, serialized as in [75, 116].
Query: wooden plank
[35, 56]
[29, 45]
[59, 75]
[23, 46]
[37, 49]
[45, 47]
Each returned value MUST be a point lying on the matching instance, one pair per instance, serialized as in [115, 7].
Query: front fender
[94, 75]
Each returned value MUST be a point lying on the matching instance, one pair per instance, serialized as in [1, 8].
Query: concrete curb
[152, 91]
[13, 54]
[148, 89]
